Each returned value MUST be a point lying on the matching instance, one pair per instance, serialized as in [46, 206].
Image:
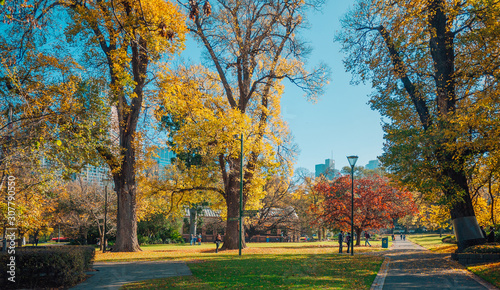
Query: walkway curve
[115, 275]
[410, 266]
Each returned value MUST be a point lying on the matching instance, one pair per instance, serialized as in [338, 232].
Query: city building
[98, 175]
[372, 164]
[327, 169]
[163, 159]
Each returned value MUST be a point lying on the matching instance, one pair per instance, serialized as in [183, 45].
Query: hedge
[47, 267]
[491, 248]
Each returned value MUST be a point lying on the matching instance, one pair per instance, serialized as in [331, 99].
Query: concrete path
[410, 266]
[115, 275]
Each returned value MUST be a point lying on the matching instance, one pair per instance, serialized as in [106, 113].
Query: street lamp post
[105, 217]
[241, 192]
[352, 161]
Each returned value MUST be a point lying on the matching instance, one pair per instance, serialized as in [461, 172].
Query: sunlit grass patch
[433, 242]
[189, 253]
[489, 272]
[262, 265]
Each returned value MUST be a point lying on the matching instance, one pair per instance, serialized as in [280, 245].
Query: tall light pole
[241, 191]
[352, 161]
[105, 217]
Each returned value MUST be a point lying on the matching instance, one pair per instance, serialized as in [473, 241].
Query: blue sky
[340, 123]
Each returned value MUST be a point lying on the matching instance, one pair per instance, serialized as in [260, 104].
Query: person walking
[341, 239]
[199, 239]
[348, 241]
[367, 239]
[193, 239]
[483, 232]
[491, 236]
[218, 240]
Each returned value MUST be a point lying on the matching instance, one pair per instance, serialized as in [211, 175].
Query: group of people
[218, 240]
[195, 239]
[347, 239]
[490, 238]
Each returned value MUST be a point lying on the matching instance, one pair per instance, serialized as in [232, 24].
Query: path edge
[378, 283]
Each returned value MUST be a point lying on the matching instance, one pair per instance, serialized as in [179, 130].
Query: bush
[142, 240]
[491, 248]
[449, 240]
[49, 267]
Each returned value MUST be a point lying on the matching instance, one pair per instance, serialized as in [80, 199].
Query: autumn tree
[485, 192]
[434, 216]
[434, 69]
[276, 210]
[376, 203]
[129, 37]
[252, 47]
[81, 206]
[306, 196]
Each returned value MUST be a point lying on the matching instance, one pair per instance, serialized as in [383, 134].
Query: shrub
[49, 267]
[449, 240]
[491, 248]
[143, 240]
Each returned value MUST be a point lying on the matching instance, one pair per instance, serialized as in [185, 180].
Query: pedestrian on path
[193, 239]
[404, 237]
[341, 239]
[218, 240]
[199, 239]
[491, 236]
[367, 239]
[348, 241]
[483, 232]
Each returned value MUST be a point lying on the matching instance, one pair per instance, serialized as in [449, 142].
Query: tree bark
[231, 239]
[192, 221]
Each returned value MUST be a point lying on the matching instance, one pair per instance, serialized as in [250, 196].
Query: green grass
[433, 242]
[267, 266]
[489, 272]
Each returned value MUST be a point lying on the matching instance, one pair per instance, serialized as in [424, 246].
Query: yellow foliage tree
[130, 37]
[253, 46]
[435, 68]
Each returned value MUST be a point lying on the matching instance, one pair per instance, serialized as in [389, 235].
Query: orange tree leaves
[376, 203]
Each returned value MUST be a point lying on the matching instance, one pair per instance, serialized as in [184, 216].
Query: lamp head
[352, 160]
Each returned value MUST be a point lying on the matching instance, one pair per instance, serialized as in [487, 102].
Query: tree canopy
[252, 47]
[376, 203]
[434, 69]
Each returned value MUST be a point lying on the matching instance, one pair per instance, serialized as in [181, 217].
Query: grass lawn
[262, 265]
[433, 242]
[489, 272]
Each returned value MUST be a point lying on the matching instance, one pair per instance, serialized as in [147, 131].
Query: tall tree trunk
[125, 186]
[192, 221]
[231, 239]
[358, 236]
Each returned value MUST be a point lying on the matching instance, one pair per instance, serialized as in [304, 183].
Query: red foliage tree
[376, 203]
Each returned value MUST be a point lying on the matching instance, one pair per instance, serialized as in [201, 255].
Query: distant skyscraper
[97, 175]
[327, 169]
[372, 164]
[164, 158]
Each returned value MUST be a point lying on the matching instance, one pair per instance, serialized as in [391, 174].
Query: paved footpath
[410, 266]
[115, 275]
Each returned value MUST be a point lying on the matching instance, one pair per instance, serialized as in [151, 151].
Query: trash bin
[385, 243]
[267, 240]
